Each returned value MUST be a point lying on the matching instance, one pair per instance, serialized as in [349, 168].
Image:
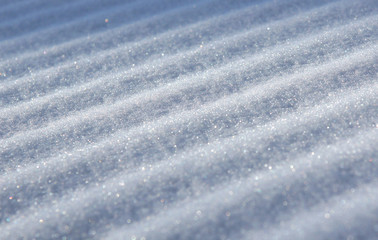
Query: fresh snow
[174, 119]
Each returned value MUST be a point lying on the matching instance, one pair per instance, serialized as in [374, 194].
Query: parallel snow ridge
[207, 119]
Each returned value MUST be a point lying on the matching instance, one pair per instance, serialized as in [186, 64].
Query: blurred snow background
[174, 119]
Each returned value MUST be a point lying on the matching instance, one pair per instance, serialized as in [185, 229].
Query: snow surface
[177, 119]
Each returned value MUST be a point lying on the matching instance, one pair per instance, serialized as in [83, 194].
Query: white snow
[169, 119]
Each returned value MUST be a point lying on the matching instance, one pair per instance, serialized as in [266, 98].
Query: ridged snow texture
[174, 119]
